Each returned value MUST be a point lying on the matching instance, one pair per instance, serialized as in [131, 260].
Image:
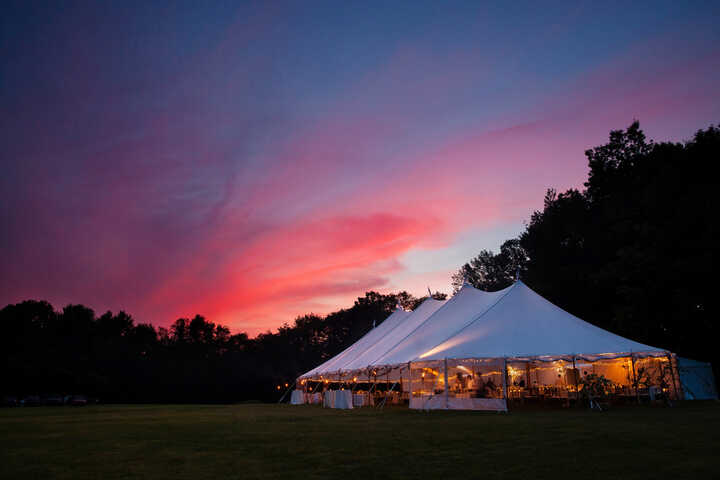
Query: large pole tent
[353, 366]
[335, 364]
[478, 349]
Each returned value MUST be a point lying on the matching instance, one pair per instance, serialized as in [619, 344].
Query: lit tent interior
[480, 349]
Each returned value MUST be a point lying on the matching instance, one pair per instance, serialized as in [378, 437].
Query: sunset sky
[253, 162]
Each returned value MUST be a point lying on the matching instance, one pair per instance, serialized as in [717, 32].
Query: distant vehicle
[54, 400]
[31, 401]
[10, 401]
[78, 400]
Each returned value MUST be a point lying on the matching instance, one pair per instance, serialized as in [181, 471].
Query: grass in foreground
[282, 441]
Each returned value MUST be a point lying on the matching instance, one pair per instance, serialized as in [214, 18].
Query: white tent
[337, 362]
[457, 312]
[521, 323]
[479, 348]
[372, 355]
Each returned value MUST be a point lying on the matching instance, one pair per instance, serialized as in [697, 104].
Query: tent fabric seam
[411, 332]
[474, 319]
[339, 355]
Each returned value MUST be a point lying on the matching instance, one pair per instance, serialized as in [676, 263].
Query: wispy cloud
[260, 163]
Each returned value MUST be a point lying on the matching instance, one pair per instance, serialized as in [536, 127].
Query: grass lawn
[282, 441]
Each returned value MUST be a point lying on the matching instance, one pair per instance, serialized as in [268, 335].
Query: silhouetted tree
[491, 272]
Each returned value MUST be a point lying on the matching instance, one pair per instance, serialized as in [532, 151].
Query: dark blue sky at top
[311, 50]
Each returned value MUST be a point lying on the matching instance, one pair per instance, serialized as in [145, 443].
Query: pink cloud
[345, 242]
[195, 200]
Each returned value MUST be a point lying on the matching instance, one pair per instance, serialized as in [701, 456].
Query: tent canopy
[514, 322]
[408, 325]
[521, 323]
[353, 351]
[457, 312]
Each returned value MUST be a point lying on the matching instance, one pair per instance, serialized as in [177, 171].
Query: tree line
[633, 252]
[114, 359]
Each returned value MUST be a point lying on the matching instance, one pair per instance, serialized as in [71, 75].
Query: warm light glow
[514, 372]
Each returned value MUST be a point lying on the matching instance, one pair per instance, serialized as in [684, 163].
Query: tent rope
[382, 404]
[286, 391]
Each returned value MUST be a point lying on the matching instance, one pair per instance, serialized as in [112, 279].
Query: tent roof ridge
[445, 302]
[509, 289]
[339, 356]
[405, 314]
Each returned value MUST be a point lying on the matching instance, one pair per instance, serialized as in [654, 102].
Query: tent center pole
[446, 384]
[672, 375]
[635, 379]
[576, 375]
[504, 378]
[409, 384]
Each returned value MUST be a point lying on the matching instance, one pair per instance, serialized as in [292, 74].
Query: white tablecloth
[437, 402]
[343, 399]
[297, 397]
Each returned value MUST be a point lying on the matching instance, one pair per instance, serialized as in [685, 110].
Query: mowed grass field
[306, 442]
